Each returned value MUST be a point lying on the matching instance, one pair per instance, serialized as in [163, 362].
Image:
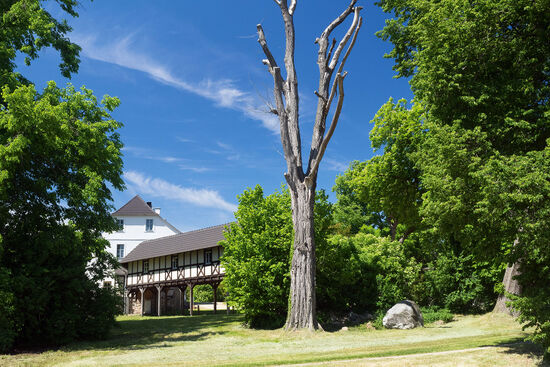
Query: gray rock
[404, 315]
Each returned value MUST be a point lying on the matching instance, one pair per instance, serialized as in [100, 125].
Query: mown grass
[207, 339]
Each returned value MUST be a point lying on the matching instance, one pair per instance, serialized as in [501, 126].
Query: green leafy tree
[26, 28]
[389, 184]
[59, 151]
[481, 69]
[257, 254]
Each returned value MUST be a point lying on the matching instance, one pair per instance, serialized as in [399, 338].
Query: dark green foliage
[482, 71]
[205, 293]
[385, 191]
[477, 64]
[7, 324]
[59, 149]
[257, 254]
[344, 281]
[257, 257]
[26, 27]
[435, 313]
[462, 285]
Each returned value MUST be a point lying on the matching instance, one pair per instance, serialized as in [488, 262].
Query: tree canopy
[481, 70]
[59, 158]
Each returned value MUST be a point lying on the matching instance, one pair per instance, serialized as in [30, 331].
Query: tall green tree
[257, 255]
[481, 70]
[390, 183]
[59, 152]
[26, 28]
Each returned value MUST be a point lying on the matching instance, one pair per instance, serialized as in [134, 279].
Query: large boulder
[404, 315]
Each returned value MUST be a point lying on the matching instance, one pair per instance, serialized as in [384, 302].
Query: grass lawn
[221, 340]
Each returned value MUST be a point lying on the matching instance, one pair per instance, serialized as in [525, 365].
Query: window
[174, 261]
[106, 284]
[119, 251]
[145, 268]
[148, 225]
[208, 256]
[120, 223]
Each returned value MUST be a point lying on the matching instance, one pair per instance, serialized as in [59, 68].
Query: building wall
[190, 265]
[134, 233]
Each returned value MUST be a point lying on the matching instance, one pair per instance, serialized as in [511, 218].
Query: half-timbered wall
[191, 265]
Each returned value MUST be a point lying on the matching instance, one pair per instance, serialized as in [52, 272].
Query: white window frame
[147, 229]
[207, 257]
[120, 223]
[118, 247]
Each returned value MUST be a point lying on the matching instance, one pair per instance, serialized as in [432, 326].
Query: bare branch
[292, 7]
[350, 45]
[333, 92]
[320, 96]
[346, 38]
[270, 62]
[335, 23]
[328, 91]
[331, 48]
[340, 80]
[278, 2]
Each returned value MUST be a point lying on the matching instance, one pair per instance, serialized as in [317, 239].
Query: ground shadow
[157, 332]
[528, 349]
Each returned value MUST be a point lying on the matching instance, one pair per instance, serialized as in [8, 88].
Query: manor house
[162, 262]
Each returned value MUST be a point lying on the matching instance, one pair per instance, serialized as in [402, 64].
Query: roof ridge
[205, 228]
[140, 199]
[183, 233]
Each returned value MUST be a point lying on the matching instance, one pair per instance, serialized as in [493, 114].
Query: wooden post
[159, 289]
[126, 302]
[182, 298]
[215, 287]
[191, 299]
[142, 290]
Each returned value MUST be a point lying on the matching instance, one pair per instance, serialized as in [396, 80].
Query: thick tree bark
[302, 313]
[512, 286]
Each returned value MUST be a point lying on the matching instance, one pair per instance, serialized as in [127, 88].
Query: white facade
[138, 222]
[134, 232]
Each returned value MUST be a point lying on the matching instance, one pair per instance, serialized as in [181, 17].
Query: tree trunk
[512, 286]
[302, 313]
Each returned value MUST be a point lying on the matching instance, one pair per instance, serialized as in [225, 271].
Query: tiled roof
[135, 207]
[181, 242]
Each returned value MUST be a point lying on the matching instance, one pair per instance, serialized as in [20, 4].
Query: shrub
[435, 313]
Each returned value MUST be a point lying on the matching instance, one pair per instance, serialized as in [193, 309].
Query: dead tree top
[285, 91]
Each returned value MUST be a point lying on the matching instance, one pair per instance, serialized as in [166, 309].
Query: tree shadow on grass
[159, 332]
[528, 349]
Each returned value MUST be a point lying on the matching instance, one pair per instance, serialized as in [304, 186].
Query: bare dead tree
[302, 183]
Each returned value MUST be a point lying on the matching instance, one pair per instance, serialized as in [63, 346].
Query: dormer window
[120, 224]
[148, 225]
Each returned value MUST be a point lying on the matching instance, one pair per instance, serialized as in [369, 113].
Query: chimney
[157, 210]
[150, 204]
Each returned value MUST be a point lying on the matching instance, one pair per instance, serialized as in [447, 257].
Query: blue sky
[193, 96]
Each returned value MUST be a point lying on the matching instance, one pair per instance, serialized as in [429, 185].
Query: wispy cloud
[157, 187]
[147, 154]
[185, 167]
[224, 93]
[334, 165]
